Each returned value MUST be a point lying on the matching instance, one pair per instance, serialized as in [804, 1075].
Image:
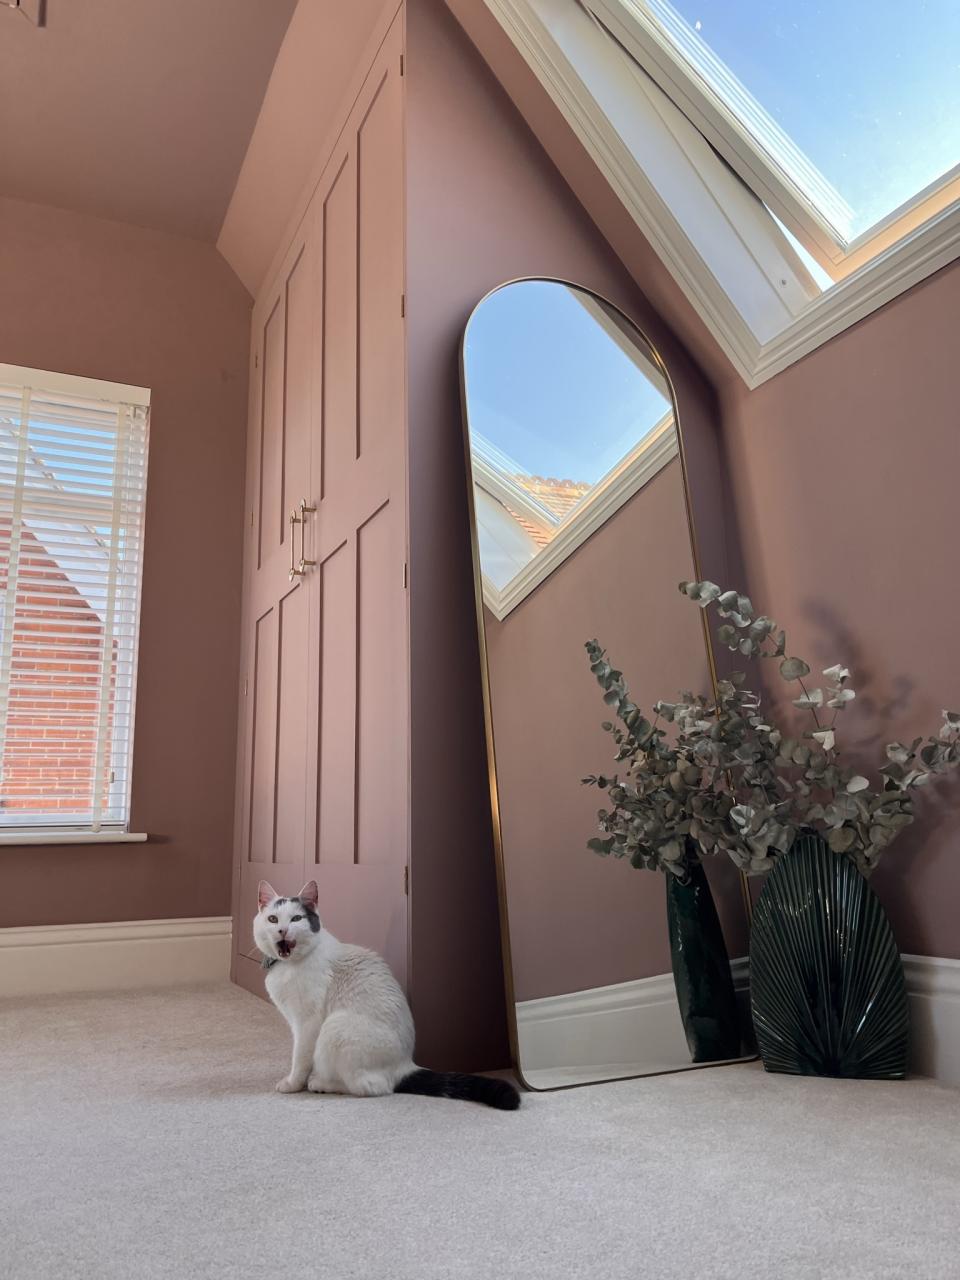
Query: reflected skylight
[569, 415]
[561, 399]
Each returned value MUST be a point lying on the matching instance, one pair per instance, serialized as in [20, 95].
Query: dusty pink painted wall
[844, 469]
[106, 300]
[577, 920]
[485, 205]
[838, 475]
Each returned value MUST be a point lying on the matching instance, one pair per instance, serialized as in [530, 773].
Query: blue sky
[868, 89]
[548, 386]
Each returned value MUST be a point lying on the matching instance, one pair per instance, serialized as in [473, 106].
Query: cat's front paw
[289, 1085]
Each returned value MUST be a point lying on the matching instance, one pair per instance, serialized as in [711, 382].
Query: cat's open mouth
[284, 947]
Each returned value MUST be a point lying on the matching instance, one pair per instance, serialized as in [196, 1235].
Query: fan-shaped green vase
[826, 981]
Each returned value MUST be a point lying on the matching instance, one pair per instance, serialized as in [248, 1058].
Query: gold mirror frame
[505, 947]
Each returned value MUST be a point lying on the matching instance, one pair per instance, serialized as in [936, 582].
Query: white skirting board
[56, 959]
[933, 985]
[602, 1027]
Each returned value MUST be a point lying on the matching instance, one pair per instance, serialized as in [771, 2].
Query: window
[795, 167]
[73, 463]
[844, 119]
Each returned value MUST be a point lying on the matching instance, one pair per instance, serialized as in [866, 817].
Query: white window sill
[72, 837]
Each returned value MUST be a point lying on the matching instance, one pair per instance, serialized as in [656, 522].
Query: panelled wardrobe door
[272, 809]
[323, 751]
[358, 815]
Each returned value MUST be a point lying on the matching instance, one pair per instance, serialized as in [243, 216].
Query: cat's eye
[292, 918]
[272, 919]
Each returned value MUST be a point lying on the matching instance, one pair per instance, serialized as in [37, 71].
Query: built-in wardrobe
[326, 766]
[360, 748]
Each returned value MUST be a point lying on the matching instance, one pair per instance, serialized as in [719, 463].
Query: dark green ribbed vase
[701, 969]
[826, 982]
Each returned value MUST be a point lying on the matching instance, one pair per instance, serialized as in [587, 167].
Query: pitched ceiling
[136, 110]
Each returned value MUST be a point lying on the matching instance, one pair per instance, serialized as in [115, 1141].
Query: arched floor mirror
[582, 527]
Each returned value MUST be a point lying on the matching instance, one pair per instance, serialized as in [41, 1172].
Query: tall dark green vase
[826, 981]
[701, 969]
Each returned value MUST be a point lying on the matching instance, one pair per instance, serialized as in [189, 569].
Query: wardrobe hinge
[244, 686]
[406, 880]
[401, 64]
[403, 305]
[256, 359]
[406, 578]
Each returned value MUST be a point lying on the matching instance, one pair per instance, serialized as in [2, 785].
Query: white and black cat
[352, 1027]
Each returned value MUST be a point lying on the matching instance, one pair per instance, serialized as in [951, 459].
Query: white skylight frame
[715, 236]
[754, 145]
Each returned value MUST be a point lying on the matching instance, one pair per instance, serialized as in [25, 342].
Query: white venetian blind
[73, 470]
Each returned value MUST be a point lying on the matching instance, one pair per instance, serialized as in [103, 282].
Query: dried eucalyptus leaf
[807, 700]
[794, 669]
[836, 674]
[841, 839]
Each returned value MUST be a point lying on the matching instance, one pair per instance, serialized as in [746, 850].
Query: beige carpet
[140, 1137]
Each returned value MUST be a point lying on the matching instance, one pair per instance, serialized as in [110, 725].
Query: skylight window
[843, 118]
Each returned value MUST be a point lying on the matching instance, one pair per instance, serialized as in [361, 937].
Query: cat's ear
[265, 893]
[309, 895]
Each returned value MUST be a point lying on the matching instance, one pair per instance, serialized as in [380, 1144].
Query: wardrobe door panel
[271, 840]
[337, 762]
[324, 734]
[359, 599]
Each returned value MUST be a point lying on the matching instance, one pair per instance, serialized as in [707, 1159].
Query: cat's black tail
[452, 1084]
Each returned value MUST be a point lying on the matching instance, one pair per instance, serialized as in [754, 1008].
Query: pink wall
[485, 205]
[844, 470]
[831, 511]
[106, 300]
[577, 920]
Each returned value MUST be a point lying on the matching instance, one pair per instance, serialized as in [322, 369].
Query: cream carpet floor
[140, 1137]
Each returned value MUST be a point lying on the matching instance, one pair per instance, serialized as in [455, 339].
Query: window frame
[722, 246]
[658, 448]
[641, 30]
[40, 827]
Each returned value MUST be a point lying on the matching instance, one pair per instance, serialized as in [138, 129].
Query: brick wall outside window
[50, 744]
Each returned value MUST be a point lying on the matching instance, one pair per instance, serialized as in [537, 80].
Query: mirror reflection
[580, 531]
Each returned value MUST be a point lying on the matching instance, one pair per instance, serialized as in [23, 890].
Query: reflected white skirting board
[54, 959]
[601, 1027]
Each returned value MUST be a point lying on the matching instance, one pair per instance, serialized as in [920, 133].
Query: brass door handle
[295, 520]
[305, 511]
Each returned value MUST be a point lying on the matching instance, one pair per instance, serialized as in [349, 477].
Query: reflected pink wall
[485, 205]
[106, 300]
[844, 469]
[578, 920]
